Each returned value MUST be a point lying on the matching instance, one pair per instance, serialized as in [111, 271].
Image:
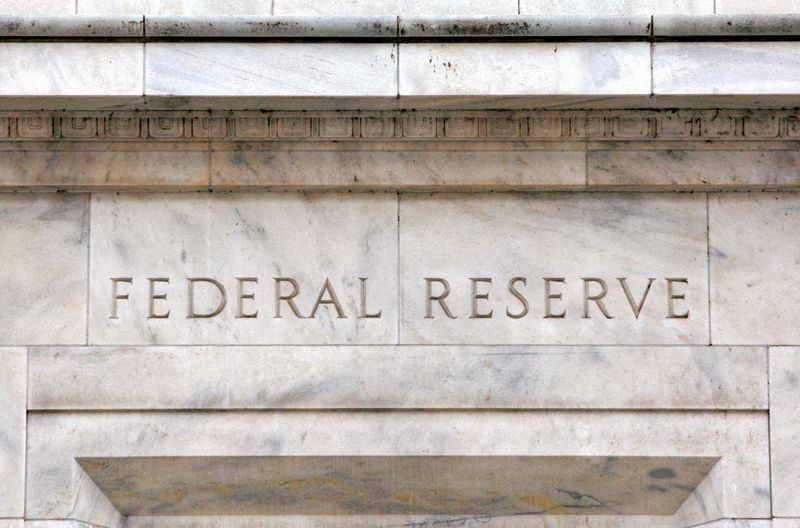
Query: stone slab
[174, 7]
[670, 168]
[233, 69]
[524, 377]
[785, 523]
[55, 440]
[44, 241]
[71, 69]
[13, 405]
[615, 7]
[721, 27]
[470, 69]
[266, 166]
[754, 260]
[564, 238]
[84, 168]
[706, 68]
[11, 523]
[522, 27]
[492, 486]
[784, 389]
[60, 26]
[40, 7]
[303, 237]
[757, 6]
[271, 27]
[395, 7]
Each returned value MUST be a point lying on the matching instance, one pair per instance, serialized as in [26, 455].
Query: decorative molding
[683, 125]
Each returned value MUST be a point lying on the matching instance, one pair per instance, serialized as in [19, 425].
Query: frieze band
[456, 126]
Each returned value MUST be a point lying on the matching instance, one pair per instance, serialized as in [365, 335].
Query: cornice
[401, 28]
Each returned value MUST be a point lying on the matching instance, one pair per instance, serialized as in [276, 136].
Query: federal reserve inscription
[519, 297]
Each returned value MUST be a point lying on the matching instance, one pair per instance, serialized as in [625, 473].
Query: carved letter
[333, 300]
[115, 296]
[596, 298]
[637, 308]
[222, 301]
[364, 314]
[671, 296]
[288, 298]
[153, 297]
[241, 296]
[440, 298]
[548, 314]
[519, 296]
[477, 296]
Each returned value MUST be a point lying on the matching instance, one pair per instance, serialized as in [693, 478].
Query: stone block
[754, 260]
[739, 439]
[82, 167]
[71, 69]
[13, 412]
[174, 7]
[784, 416]
[528, 266]
[693, 168]
[291, 268]
[748, 7]
[469, 69]
[786, 523]
[40, 7]
[615, 7]
[408, 168]
[395, 7]
[11, 523]
[523, 377]
[44, 241]
[271, 69]
[732, 68]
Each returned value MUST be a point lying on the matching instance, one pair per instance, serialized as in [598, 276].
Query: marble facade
[321, 265]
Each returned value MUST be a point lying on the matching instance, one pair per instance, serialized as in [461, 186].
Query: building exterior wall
[403, 270]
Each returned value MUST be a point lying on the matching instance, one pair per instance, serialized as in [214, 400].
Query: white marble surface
[754, 260]
[278, 69]
[699, 68]
[13, 405]
[784, 389]
[535, 236]
[514, 69]
[397, 377]
[44, 242]
[39, 7]
[746, 7]
[71, 69]
[83, 167]
[696, 168]
[616, 7]
[11, 523]
[174, 7]
[786, 523]
[395, 7]
[308, 237]
[740, 439]
[376, 168]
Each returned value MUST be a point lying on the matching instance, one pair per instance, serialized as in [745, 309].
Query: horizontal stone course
[740, 439]
[527, 262]
[283, 69]
[467, 377]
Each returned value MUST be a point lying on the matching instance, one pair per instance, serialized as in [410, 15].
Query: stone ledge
[401, 28]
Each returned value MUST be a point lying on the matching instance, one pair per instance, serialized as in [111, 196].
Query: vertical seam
[769, 434]
[397, 67]
[272, 8]
[144, 57]
[399, 285]
[25, 440]
[708, 265]
[88, 264]
[76, 7]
